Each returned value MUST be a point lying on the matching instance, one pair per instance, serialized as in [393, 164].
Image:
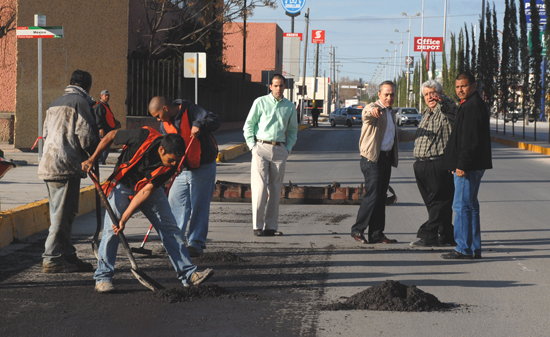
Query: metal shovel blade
[146, 280]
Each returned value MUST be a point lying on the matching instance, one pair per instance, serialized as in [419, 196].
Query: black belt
[270, 142]
[430, 158]
[385, 153]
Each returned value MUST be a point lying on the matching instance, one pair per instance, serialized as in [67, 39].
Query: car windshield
[409, 112]
[354, 111]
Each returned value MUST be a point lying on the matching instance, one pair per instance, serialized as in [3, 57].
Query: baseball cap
[105, 92]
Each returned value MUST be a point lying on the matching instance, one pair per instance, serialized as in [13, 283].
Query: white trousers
[267, 174]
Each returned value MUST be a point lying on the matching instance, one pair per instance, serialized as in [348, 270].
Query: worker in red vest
[105, 120]
[192, 190]
[147, 161]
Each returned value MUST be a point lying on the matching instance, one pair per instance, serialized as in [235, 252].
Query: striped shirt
[435, 128]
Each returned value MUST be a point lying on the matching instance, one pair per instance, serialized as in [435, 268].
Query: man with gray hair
[434, 183]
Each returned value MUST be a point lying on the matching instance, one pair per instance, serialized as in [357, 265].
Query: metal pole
[244, 42]
[444, 25]
[421, 55]
[39, 99]
[408, 66]
[304, 74]
[394, 61]
[316, 74]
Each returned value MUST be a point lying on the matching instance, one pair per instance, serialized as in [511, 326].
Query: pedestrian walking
[70, 135]
[467, 156]
[270, 131]
[192, 190]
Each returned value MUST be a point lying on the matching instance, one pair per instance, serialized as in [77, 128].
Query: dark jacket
[469, 146]
[206, 121]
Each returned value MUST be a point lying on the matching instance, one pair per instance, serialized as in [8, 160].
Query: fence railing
[231, 97]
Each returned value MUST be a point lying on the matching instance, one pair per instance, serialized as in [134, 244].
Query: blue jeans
[64, 196]
[157, 210]
[467, 229]
[190, 198]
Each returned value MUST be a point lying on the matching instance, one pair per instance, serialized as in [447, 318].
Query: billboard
[430, 44]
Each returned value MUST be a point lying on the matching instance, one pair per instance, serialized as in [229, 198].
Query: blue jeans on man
[157, 210]
[467, 230]
[190, 198]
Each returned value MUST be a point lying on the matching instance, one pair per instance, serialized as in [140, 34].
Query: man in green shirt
[270, 131]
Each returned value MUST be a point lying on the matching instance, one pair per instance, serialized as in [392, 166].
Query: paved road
[507, 293]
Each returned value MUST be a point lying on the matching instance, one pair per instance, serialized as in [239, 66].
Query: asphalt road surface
[277, 284]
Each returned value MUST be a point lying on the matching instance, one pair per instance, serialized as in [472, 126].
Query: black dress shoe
[359, 237]
[454, 255]
[385, 239]
[271, 232]
[258, 232]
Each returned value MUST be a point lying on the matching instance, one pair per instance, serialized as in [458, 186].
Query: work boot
[82, 266]
[60, 266]
[199, 277]
[104, 287]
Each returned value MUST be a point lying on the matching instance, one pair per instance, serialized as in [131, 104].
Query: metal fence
[228, 96]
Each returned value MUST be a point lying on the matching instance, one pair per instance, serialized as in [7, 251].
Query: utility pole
[316, 74]
[329, 103]
[244, 40]
[304, 73]
[421, 56]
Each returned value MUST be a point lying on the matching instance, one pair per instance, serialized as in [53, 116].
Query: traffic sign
[34, 32]
[409, 61]
[542, 42]
[293, 6]
[317, 36]
[189, 65]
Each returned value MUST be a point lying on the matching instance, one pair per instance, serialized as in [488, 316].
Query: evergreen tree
[547, 43]
[416, 85]
[513, 42]
[467, 50]
[453, 70]
[481, 61]
[424, 64]
[460, 53]
[445, 74]
[433, 66]
[524, 57]
[487, 66]
[536, 57]
[505, 63]
[496, 51]
[473, 63]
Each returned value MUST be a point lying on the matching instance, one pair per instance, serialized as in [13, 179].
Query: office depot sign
[430, 44]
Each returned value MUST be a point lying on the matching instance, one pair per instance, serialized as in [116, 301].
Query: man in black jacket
[467, 156]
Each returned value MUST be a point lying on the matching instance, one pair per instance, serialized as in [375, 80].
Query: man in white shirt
[378, 146]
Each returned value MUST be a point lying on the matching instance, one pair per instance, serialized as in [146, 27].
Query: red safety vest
[193, 155]
[123, 168]
[109, 115]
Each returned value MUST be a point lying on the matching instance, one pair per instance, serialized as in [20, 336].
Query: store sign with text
[428, 44]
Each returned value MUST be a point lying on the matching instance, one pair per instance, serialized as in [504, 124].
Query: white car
[407, 116]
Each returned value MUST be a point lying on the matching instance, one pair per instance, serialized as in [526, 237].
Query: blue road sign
[541, 8]
[293, 6]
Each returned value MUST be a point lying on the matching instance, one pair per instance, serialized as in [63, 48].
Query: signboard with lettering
[293, 35]
[293, 6]
[430, 44]
[40, 32]
[317, 36]
[540, 6]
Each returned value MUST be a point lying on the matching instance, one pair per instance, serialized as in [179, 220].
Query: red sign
[293, 35]
[430, 44]
[317, 36]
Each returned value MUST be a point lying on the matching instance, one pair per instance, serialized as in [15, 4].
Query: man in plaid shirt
[434, 183]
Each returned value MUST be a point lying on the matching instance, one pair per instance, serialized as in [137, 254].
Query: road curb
[20, 222]
[521, 145]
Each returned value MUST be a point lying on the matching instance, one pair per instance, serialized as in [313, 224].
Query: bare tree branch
[7, 20]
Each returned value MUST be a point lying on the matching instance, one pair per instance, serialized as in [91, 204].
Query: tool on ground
[143, 278]
[141, 249]
[95, 239]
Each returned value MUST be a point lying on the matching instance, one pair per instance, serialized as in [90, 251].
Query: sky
[361, 31]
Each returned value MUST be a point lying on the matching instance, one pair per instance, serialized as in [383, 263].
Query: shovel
[141, 249]
[143, 278]
[95, 239]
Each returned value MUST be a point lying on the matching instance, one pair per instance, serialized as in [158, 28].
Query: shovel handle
[114, 219]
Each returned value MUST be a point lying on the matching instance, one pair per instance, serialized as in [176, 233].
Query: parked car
[407, 116]
[345, 116]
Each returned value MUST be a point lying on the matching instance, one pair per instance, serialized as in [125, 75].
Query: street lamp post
[394, 57]
[401, 50]
[409, 54]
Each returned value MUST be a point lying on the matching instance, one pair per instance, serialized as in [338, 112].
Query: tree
[488, 59]
[453, 69]
[433, 66]
[460, 53]
[481, 60]
[547, 43]
[496, 51]
[524, 57]
[7, 20]
[448, 85]
[536, 56]
[172, 25]
[466, 49]
[473, 63]
[505, 63]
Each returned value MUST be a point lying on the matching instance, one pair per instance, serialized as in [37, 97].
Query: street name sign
[32, 32]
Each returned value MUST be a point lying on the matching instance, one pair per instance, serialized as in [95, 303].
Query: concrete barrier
[20, 222]
[521, 145]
